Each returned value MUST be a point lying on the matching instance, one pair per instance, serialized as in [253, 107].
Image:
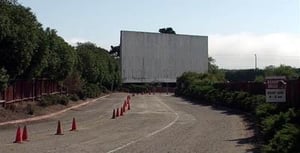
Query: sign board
[276, 89]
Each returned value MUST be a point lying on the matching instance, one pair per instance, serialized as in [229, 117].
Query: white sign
[275, 89]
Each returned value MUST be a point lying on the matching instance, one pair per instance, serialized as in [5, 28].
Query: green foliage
[53, 100]
[27, 51]
[74, 97]
[168, 30]
[242, 75]
[274, 123]
[265, 109]
[19, 37]
[63, 100]
[97, 66]
[138, 88]
[214, 69]
[30, 109]
[259, 78]
[3, 79]
[90, 91]
[285, 140]
[282, 70]
[73, 82]
[61, 57]
[115, 51]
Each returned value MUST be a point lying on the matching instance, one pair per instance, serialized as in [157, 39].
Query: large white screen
[156, 57]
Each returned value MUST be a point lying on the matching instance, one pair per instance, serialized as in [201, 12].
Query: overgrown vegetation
[53, 100]
[278, 123]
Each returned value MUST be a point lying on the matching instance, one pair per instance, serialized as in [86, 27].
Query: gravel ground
[155, 123]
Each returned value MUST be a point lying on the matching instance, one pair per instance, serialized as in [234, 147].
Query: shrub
[81, 95]
[53, 99]
[91, 90]
[285, 141]
[63, 100]
[74, 97]
[265, 109]
[274, 123]
[138, 88]
[30, 109]
[48, 100]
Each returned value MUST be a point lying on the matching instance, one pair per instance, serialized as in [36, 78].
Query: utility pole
[255, 61]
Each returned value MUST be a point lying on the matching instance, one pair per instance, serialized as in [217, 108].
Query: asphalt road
[155, 124]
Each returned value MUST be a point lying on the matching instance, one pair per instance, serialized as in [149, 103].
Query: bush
[265, 109]
[63, 100]
[74, 97]
[138, 88]
[48, 100]
[285, 141]
[30, 109]
[274, 123]
[53, 100]
[91, 91]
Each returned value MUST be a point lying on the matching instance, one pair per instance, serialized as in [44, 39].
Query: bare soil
[23, 109]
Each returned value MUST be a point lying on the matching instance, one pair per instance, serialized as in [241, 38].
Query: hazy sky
[236, 29]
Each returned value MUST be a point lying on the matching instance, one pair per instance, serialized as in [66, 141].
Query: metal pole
[255, 61]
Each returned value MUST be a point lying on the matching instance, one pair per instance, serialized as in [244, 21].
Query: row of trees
[29, 51]
[259, 74]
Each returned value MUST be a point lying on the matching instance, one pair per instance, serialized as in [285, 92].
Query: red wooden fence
[28, 89]
[292, 89]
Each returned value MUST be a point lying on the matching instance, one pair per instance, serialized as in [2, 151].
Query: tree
[115, 51]
[282, 70]
[168, 30]
[19, 37]
[3, 79]
[97, 66]
[214, 69]
[60, 57]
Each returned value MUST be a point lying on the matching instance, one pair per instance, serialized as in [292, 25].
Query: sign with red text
[276, 89]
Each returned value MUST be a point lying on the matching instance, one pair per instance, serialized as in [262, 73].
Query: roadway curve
[155, 123]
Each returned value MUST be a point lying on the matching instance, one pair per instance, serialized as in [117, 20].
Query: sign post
[276, 89]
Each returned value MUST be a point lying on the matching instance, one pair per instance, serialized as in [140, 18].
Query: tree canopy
[28, 51]
[97, 66]
[168, 30]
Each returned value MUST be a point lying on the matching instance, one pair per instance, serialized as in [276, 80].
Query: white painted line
[169, 125]
[152, 133]
[50, 115]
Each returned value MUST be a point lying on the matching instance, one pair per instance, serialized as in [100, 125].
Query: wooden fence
[28, 89]
[292, 89]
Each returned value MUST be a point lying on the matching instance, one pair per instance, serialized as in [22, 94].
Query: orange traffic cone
[117, 115]
[25, 134]
[128, 105]
[74, 127]
[18, 136]
[121, 110]
[114, 114]
[59, 129]
[128, 97]
[125, 105]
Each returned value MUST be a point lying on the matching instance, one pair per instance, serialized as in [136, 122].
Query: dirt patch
[28, 109]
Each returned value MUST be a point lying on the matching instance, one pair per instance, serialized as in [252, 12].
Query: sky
[237, 30]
